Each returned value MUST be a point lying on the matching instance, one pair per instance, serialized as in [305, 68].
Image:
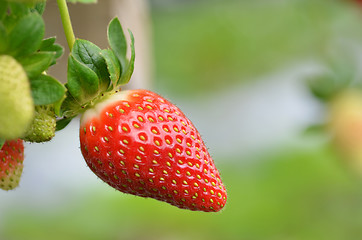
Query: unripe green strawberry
[16, 108]
[11, 164]
[43, 126]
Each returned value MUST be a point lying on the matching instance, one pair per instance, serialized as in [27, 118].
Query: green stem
[67, 24]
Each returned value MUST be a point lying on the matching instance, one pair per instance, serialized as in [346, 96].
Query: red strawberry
[139, 143]
[11, 164]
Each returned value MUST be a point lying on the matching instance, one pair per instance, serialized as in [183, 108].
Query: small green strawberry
[11, 164]
[17, 107]
[43, 127]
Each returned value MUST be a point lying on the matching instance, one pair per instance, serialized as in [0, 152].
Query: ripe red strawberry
[11, 164]
[140, 143]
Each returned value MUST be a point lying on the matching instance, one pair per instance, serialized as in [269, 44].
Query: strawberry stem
[67, 24]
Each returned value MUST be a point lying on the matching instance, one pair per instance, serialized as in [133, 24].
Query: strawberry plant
[136, 141]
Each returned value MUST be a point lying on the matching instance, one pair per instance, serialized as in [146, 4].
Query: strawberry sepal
[94, 73]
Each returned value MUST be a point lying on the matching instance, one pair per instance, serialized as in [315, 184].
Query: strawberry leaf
[26, 36]
[113, 66]
[62, 123]
[3, 8]
[83, 83]
[49, 45]
[40, 7]
[126, 76]
[117, 41]
[3, 38]
[37, 63]
[89, 54]
[57, 106]
[316, 128]
[46, 90]
[70, 107]
[326, 86]
[18, 9]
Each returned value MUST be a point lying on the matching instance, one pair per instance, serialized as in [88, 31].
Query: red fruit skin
[11, 163]
[143, 145]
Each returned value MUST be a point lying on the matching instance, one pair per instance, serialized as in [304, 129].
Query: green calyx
[43, 126]
[21, 37]
[17, 106]
[24, 58]
[94, 73]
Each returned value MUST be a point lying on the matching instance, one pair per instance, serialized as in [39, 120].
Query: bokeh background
[273, 86]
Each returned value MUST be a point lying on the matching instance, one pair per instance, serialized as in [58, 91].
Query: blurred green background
[294, 187]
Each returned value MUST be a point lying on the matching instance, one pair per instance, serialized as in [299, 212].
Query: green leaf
[70, 106]
[315, 129]
[113, 66]
[49, 45]
[3, 38]
[26, 36]
[3, 9]
[18, 9]
[62, 123]
[36, 63]
[89, 54]
[340, 74]
[126, 76]
[40, 7]
[83, 83]
[46, 90]
[2, 141]
[57, 105]
[117, 41]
